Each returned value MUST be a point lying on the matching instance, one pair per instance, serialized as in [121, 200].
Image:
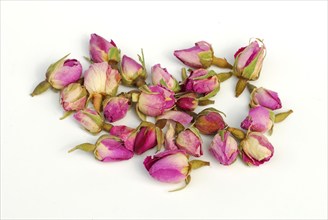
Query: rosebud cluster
[177, 131]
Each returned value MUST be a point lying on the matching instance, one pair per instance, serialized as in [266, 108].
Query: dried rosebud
[107, 149]
[155, 100]
[224, 147]
[259, 119]
[202, 82]
[170, 166]
[248, 64]
[190, 141]
[60, 74]
[160, 76]
[169, 141]
[100, 48]
[209, 121]
[115, 108]
[249, 60]
[199, 56]
[145, 138]
[266, 98]
[90, 120]
[187, 102]
[133, 73]
[126, 134]
[100, 80]
[73, 97]
[256, 149]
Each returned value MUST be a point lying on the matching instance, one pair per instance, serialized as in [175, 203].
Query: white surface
[39, 179]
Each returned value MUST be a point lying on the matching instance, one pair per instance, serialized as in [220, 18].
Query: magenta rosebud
[249, 60]
[107, 149]
[145, 138]
[224, 147]
[73, 97]
[160, 76]
[126, 134]
[209, 121]
[99, 48]
[133, 73]
[199, 56]
[187, 102]
[256, 149]
[190, 141]
[202, 82]
[265, 98]
[259, 119]
[155, 100]
[60, 74]
[90, 120]
[115, 108]
[170, 166]
[101, 80]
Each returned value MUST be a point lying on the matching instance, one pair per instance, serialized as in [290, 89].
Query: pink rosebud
[126, 134]
[209, 121]
[160, 76]
[256, 149]
[259, 119]
[110, 149]
[100, 80]
[90, 120]
[202, 82]
[107, 149]
[224, 147]
[170, 166]
[176, 116]
[60, 74]
[155, 100]
[73, 97]
[115, 108]
[249, 60]
[187, 102]
[132, 72]
[145, 138]
[265, 98]
[190, 141]
[99, 48]
[199, 56]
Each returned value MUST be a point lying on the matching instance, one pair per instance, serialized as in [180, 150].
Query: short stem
[205, 102]
[41, 88]
[66, 114]
[240, 87]
[195, 164]
[221, 62]
[85, 147]
[97, 99]
[250, 87]
[237, 133]
[224, 76]
[187, 181]
[107, 127]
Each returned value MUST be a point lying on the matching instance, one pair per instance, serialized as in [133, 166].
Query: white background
[39, 179]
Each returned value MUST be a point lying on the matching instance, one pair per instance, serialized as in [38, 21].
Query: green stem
[221, 62]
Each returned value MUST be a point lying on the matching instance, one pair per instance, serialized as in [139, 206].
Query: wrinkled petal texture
[158, 73]
[87, 122]
[116, 108]
[210, 123]
[130, 68]
[256, 149]
[189, 142]
[201, 86]
[110, 150]
[121, 131]
[248, 54]
[99, 48]
[169, 166]
[226, 150]
[145, 140]
[169, 141]
[258, 120]
[266, 98]
[187, 102]
[177, 116]
[70, 72]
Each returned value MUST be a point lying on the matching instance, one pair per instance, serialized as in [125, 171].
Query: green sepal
[41, 88]
[196, 164]
[206, 58]
[282, 116]
[204, 102]
[163, 83]
[146, 90]
[142, 61]
[224, 76]
[114, 54]
[195, 131]
[221, 133]
[85, 147]
[250, 87]
[161, 123]
[240, 86]
[159, 138]
[66, 114]
[184, 74]
[141, 115]
[53, 66]
[209, 74]
[237, 133]
[88, 59]
[107, 136]
[211, 109]
[211, 94]
[187, 181]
